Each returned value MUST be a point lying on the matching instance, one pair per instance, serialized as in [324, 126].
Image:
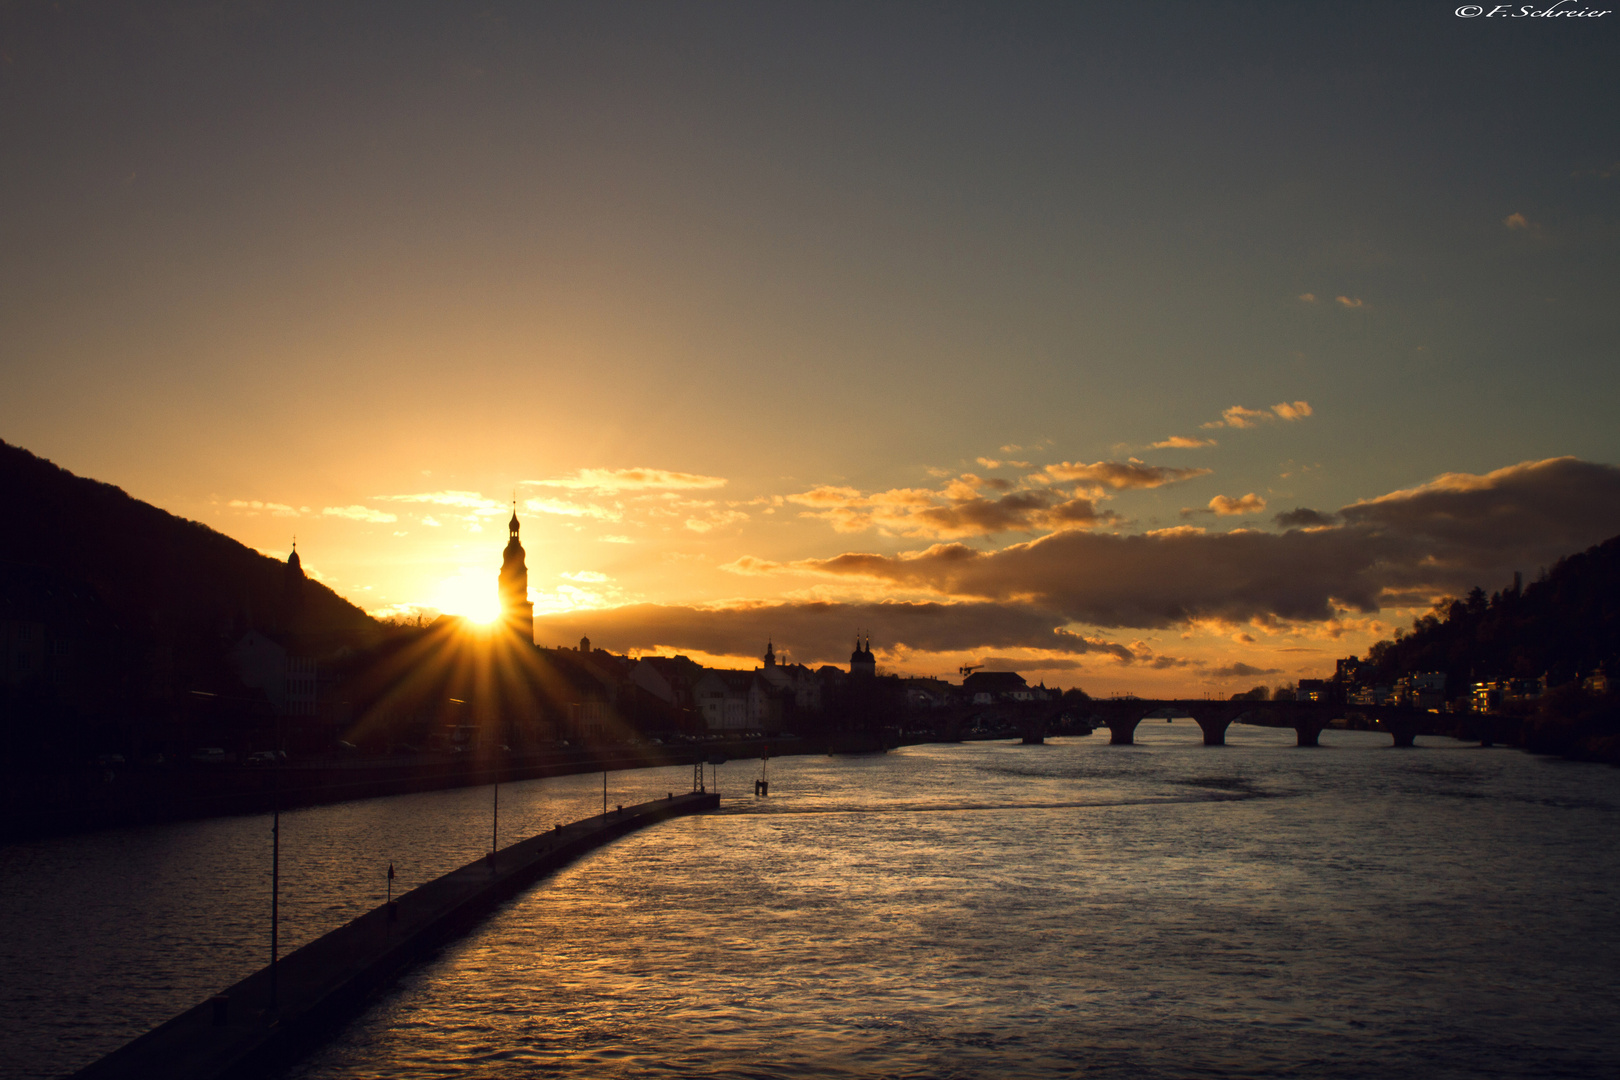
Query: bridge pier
[1214, 729]
[1307, 730]
[1122, 730]
[1402, 734]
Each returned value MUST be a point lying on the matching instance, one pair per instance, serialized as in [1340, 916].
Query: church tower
[292, 590]
[861, 662]
[517, 611]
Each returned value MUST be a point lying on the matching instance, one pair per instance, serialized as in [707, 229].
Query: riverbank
[265, 1021]
[35, 804]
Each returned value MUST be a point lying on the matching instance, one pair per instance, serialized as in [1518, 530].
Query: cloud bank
[1445, 536]
[822, 630]
[1399, 549]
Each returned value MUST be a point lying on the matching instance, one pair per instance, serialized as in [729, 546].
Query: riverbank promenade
[265, 1021]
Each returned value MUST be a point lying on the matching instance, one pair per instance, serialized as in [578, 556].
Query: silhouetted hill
[1565, 626]
[120, 618]
[157, 573]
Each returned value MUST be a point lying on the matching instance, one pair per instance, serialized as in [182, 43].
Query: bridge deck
[326, 981]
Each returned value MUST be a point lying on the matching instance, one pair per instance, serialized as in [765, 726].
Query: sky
[1167, 349]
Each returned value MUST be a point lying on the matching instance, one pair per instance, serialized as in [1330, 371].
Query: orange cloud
[1226, 506]
[1119, 475]
[1239, 417]
[1442, 537]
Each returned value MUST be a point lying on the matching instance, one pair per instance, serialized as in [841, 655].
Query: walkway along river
[284, 1008]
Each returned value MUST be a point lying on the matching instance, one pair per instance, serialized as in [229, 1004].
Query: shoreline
[38, 805]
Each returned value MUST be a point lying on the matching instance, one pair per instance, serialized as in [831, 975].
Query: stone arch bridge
[1308, 718]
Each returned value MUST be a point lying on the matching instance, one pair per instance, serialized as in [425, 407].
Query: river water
[978, 910]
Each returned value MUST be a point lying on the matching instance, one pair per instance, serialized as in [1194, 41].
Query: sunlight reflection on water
[976, 910]
[1162, 910]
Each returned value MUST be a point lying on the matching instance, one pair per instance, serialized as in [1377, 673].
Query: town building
[995, 687]
[794, 683]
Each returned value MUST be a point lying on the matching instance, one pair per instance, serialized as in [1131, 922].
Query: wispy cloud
[1348, 302]
[1240, 417]
[639, 479]
[1182, 442]
[750, 566]
[572, 509]
[1119, 475]
[715, 519]
[460, 500]
[958, 510]
[254, 506]
[1516, 221]
[357, 512]
[1308, 297]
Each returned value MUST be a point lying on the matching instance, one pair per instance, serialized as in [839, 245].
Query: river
[973, 910]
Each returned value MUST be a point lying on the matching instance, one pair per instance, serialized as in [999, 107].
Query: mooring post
[275, 898]
[275, 866]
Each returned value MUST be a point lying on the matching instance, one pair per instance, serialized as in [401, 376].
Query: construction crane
[967, 669]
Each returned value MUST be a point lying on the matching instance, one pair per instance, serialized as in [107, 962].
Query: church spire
[517, 610]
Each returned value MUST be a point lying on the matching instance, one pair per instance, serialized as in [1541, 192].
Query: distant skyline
[1168, 349]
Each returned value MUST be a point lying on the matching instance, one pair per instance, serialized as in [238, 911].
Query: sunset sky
[1166, 348]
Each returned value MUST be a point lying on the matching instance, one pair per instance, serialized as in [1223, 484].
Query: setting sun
[470, 595]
